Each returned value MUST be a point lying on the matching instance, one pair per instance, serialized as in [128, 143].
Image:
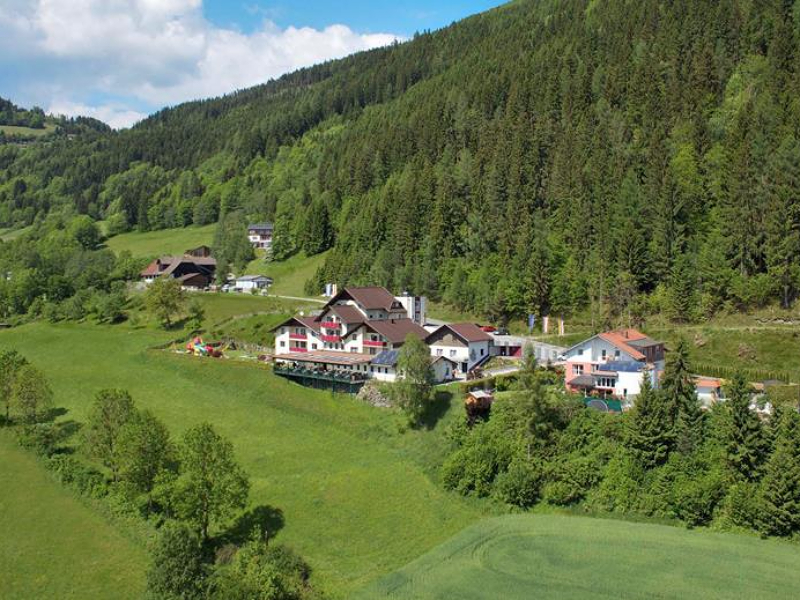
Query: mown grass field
[52, 545]
[355, 493]
[13, 130]
[162, 243]
[290, 275]
[521, 557]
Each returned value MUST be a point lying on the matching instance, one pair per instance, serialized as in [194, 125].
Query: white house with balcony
[359, 333]
[613, 364]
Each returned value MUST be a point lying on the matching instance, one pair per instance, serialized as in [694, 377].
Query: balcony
[374, 344]
[298, 336]
[298, 349]
[331, 338]
[331, 325]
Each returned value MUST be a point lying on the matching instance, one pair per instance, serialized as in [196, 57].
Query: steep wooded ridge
[545, 156]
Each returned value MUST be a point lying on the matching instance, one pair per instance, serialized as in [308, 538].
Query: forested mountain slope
[545, 156]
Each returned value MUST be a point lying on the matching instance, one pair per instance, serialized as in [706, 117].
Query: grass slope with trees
[54, 546]
[355, 496]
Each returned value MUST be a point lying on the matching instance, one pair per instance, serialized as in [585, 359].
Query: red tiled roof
[151, 269]
[396, 330]
[620, 339]
[469, 332]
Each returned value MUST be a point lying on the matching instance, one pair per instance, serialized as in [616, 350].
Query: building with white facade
[613, 364]
[260, 235]
[359, 332]
[249, 283]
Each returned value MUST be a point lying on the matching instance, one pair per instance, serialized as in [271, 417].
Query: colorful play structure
[199, 348]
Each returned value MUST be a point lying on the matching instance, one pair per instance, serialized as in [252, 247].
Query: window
[452, 353]
[439, 352]
[580, 351]
[482, 351]
[313, 346]
[616, 353]
[603, 354]
[354, 350]
[577, 369]
[283, 344]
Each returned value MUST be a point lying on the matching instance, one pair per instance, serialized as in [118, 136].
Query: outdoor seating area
[322, 378]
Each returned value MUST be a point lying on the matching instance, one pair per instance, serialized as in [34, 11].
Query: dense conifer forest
[549, 156]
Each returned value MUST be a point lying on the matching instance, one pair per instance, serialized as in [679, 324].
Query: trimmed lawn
[552, 556]
[355, 493]
[52, 545]
[162, 243]
[290, 275]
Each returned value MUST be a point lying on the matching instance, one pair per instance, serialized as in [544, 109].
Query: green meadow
[164, 242]
[353, 493]
[520, 557]
[54, 546]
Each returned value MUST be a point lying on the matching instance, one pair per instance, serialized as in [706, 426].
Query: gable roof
[348, 314]
[171, 263]
[260, 226]
[630, 341]
[396, 330]
[254, 278]
[624, 340]
[468, 332]
[309, 322]
[371, 298]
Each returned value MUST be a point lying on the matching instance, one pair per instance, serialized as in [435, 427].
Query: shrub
[695, 498]
[742, 506]
[520, 484]
[572, 479]
[621, 485]
[41, 438]
[84, 479]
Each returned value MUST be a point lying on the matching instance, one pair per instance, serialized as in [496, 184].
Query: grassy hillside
[353, 491]
[290, 275]
[52, 546]
[12, 130]
[162, 243]
[546, 556]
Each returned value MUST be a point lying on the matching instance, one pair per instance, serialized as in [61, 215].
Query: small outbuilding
[248, 283]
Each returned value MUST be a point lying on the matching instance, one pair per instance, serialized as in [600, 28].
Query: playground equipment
[199, 348]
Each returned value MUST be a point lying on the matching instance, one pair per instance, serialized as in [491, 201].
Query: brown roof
[396, 330]
[170, 263]
[309, 322]
[368, 297]
[348, 314]
[469, 332]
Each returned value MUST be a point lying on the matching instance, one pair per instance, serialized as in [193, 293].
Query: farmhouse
[357, 335]
[192, 271]
[613, 364]
[464, 343]
[260, 235]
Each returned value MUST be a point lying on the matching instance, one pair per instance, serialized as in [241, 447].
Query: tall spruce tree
[744, 440]
[649, 433]
[680, 394]
[780, 488]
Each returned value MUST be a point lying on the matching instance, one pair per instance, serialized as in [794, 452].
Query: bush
[695, 498]
[572, 479]
[41, 438]
[520, 484]
[742, 506]
[621, 485]
[84, 479]
[474, 466]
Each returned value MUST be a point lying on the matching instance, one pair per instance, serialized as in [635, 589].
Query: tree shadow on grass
[436, 409]
[263, 521]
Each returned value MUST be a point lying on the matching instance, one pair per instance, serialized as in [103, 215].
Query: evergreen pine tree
[780, 488]
[744, 439]
[649, 433]
[680, 394]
